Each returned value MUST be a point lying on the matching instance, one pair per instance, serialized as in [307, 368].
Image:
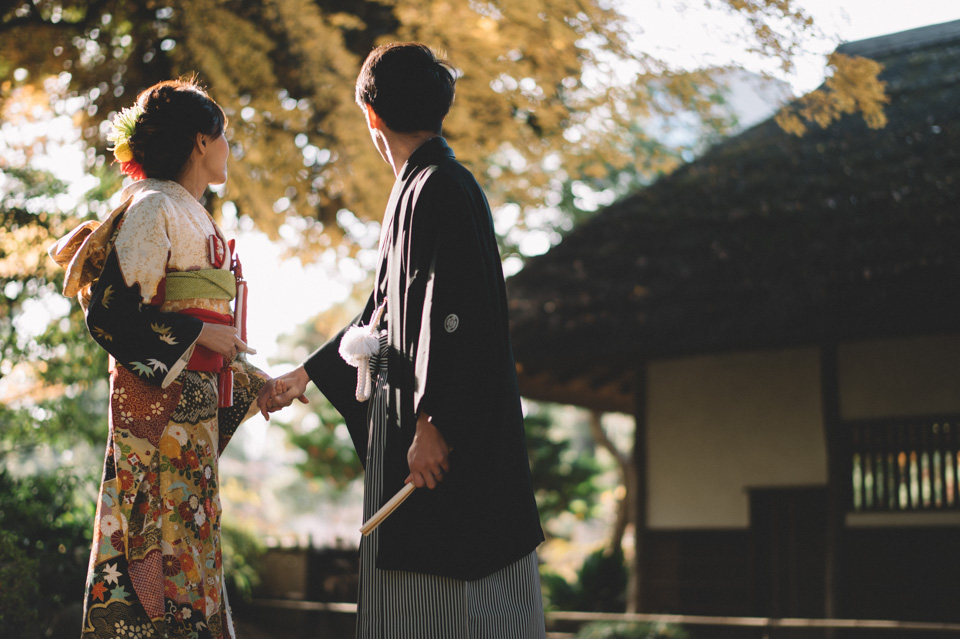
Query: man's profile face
[373, 125]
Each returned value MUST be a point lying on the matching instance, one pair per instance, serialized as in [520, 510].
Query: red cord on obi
[204, 359]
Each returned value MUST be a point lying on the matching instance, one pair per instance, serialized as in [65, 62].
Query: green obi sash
[208, 283]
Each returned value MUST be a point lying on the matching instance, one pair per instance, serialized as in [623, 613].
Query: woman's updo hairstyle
[174, 112]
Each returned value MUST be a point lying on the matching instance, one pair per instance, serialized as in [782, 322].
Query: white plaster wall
[719, 424]
[897, 378]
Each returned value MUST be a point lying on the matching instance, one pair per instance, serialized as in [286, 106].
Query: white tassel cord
[358, 345]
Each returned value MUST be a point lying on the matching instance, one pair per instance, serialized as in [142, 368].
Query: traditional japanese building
[782, 317]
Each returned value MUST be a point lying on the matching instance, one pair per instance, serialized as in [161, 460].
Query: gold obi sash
[208, 283]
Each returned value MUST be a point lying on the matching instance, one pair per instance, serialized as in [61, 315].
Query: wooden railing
[905, 465]
[766, 625]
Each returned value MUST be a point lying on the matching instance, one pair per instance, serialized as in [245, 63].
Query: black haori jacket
[450, 357]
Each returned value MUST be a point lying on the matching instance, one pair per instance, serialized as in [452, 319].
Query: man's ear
[373, 120]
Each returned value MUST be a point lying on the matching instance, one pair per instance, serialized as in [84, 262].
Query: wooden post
[635, 596]
[836, 448]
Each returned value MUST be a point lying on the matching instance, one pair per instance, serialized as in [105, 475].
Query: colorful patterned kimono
[155, 567]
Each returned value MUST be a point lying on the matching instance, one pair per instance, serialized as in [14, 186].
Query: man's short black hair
[408, 86]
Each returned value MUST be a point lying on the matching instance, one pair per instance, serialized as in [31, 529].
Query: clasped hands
[428, 456]
[280, 392]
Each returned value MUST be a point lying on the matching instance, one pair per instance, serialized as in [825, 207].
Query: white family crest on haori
[357, 346]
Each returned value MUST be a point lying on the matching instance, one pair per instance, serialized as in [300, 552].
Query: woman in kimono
[156, 280]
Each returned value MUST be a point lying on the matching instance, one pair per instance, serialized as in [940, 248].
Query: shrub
[19, 590]
[241, 554]
[601, 585]
[47, 522]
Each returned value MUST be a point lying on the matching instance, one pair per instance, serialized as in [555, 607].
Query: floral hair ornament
[122, 128]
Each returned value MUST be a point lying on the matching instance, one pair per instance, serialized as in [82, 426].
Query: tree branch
[627, 479]
[600, 436]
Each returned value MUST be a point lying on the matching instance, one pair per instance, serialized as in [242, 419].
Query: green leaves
[52, 374]
[563, 476]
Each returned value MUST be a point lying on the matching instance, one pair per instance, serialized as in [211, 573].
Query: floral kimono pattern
[156, 564]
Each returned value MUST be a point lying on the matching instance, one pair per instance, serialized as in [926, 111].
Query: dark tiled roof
[768, 240]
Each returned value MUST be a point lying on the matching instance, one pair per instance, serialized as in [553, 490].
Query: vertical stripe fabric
[395, 604]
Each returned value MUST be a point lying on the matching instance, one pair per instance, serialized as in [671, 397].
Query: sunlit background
[291, 482]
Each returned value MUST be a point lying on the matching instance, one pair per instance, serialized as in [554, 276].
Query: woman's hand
[223, 340]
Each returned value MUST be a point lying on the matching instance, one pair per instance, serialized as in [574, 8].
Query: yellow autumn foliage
[853, 87]
[284, 70]
[23, 250]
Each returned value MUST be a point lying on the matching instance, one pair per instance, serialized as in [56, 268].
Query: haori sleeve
[337, 380]
[456, 348]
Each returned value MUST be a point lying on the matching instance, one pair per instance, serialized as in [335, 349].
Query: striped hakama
[395, 604]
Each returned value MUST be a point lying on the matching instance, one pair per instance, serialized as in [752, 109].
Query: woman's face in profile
[215, 159]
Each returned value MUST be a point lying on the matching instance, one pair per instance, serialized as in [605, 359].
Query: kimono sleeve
[143, 244]
[247, 382]
[337, 380]
[458, 347]
[153, 345]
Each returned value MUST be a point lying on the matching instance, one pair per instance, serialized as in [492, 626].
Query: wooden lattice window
[905, 464]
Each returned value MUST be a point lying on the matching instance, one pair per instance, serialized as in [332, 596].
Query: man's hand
[429, 455]
[280, 392]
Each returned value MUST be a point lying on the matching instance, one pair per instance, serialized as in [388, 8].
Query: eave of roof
[767, 241]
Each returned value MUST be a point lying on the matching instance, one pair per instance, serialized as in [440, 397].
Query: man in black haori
[426, 382]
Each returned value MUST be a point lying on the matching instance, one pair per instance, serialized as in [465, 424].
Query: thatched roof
[768, 240]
